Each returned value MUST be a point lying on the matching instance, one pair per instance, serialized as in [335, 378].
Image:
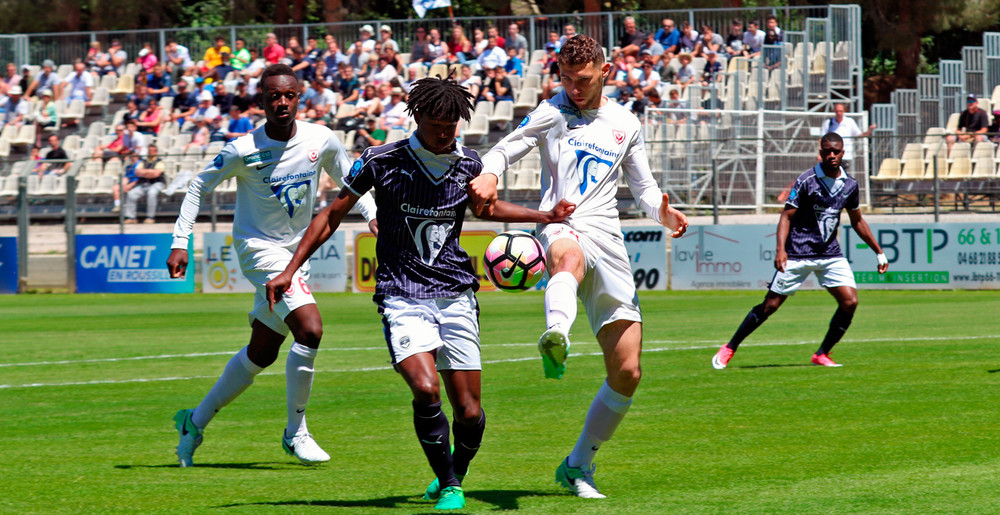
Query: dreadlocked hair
[440, 98]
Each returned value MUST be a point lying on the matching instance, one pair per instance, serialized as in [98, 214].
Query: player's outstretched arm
[672, 219]
[784, 228]
[865, 232]
[507, 212]
[319, 230]
[483, 194]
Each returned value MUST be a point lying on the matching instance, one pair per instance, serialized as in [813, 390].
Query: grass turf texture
[908, 425]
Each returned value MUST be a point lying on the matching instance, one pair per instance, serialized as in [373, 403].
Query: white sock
[298, 381]
[237, 377]
[606, 412]
[560, 301]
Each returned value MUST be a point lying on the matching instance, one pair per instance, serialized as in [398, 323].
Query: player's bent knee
[849, 304]
[309, 333]
[468, 415]
[626, 378]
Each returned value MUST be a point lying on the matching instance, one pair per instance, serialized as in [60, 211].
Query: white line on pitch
[490, 362]
[382, 348]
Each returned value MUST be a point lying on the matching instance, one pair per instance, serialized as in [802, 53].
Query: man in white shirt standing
[277, 169]
[848, 129]
[586, 143]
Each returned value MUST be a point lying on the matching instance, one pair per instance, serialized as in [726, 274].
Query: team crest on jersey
[429, 236]
[524, 121]
[619, 135]
[589, 167]
[313, 155]
[217, 162]
[291, 195]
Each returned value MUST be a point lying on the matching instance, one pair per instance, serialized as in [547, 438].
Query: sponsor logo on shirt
[292, 177]
[429, 236]
[291, 195]
[257, 157]
[575, 142]
[589, 167]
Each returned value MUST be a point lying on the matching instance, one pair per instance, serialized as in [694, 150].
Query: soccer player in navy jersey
[425, 283]
[807, 243]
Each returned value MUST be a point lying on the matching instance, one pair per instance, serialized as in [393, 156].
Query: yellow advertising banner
[365, 262]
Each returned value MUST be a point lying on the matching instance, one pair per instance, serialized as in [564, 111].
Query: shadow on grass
[994, 371]
[245, 466]
[775, 365]
[501, 499]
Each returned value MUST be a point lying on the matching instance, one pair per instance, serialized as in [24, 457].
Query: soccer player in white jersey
[807, 244]
[425, 284]
[586, 143]
[277, 168]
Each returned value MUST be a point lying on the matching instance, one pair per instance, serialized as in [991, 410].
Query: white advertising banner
[921, 256]
[221, 271]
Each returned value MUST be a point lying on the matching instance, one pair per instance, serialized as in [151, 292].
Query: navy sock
[432, 431]
[467, 441]
[753, 320]
[838, 326]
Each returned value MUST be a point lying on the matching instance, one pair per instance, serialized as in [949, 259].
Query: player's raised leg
[847, 303]
[754, 319]
[306, 326]
[236, 378]
[566, 265]
[621, 342]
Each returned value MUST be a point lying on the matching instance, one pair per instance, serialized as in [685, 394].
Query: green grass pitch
[89, 383]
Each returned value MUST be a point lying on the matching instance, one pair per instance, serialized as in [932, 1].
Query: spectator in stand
[394, 113]
[708, 40]
[848, 129]
[248, 104]
[26, 78]
[367, 43]
[654, 50]
[514, 65]
[134, 140]
[495, 32]
[392, 57]
[80, 83]
[642, 101]
[45, 113]
[688, 40]
[149, 183]
[222, 99]
[631, 38]
[253, 70]
[552, 47]
[147, 58]
[478, 42]
[48, 79]
[418, 49]
[459, 45]
[385, 36]
[675, 102]
[470, 81]
[517, 42]
[411, 80]
[667, 37]
[685, 74]
[492, 57]
[437, 50]
[238, 124]
[368, 105]
[333, 56]
[273, 52]
[205, 111]
[734, 41]
[132, 111]
[713, 67]
[115, 148]
[569, 30]
[201, 135]
[368, 136]
[346, 85]
[56, 153]
[621, 77]
[496, 86]
[150, 119]
[313, 53]
[127, 181]
[300, 64]
[552, 84]
[240, 57]
[12, 79]
[772, 36]
[357, 58]
[369, 68]
[753, 40]
[213, 56]
[320, 101]
[178, 58]
[994, 128]
[649, 79]
[384, 72]
[158, 83]
[141, 96]
[117, 57]
[181, 98]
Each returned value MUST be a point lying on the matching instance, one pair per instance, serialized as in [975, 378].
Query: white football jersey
[276, 185]
[583, 153]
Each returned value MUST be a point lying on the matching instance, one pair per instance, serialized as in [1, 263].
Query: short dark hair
[441, 99]
[832, 137]
[581, 49]
[275, 70]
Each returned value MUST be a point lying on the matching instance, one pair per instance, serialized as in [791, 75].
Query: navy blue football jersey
[421, 199]
[819, 200]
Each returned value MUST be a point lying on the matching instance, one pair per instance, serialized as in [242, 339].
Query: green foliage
[925, 66]
[883, 64]
[204, 13]
[903, 427]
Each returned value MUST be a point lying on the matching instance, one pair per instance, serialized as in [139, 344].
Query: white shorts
[607, 290]
[447, 327]
[268, 267]
[831, 272]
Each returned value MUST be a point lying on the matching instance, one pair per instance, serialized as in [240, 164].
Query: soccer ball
[514, 261]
